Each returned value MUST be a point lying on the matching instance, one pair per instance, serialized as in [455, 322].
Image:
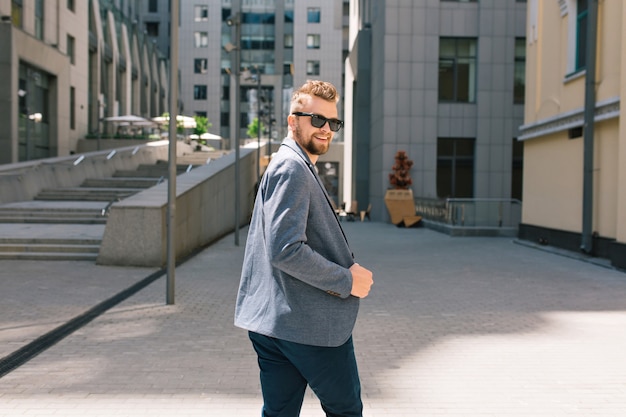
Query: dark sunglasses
[319, 121]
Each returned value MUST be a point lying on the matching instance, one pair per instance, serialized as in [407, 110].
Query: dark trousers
[287, 367]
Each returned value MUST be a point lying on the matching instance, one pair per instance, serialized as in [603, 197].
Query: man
[300, 286]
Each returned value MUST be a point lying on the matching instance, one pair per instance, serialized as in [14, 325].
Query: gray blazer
[295, 282]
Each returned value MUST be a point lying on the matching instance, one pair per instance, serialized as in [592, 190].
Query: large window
[71, 49]
[312, 68]
[201, 13]
[581, 34]
[152, 29]
[313, 41]
[72, 108]
[39, 19]
[199, 92]
[313, 15]
[455, 167]
[200, 65]
[457, 70]
[153, 6]
[201, 39]
[17, 11]
[519, 86]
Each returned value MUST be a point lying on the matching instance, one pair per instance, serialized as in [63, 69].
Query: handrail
[160, 180]
[105, 210]
[483, 212]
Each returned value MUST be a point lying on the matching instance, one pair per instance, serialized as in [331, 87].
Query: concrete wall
[136, 231]
[23, 181]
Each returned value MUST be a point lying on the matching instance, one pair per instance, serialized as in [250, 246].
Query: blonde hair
[313, 88]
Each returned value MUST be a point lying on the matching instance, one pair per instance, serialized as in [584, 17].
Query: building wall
[620, 233]
[555, 101]
[143, 80]
[405, 111]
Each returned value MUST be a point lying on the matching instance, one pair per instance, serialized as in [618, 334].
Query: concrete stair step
[120, 182]
[48, 241]
[49, 256]
[86, 193]
[48, 248]
[31, 218]
[49, 212]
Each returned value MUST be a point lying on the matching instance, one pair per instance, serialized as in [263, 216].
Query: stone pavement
[453, 327]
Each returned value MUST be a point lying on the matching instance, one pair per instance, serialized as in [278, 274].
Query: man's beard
[310, 144]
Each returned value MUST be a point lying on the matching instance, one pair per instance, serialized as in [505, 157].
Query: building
[283, 42]
[574, 141]
[443, 81]
[69, 64]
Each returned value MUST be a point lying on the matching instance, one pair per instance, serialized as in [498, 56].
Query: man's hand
[361, 281]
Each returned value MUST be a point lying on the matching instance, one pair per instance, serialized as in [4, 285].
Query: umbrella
[209, 136]
[187, 122]
[130, 119]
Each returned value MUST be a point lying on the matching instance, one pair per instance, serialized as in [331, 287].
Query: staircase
[68, 223]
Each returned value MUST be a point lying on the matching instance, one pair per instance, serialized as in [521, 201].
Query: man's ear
[291, 120]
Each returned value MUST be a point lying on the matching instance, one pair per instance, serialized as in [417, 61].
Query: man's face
[315, 141]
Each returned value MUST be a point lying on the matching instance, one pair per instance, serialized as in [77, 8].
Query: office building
[67, 65]
[443, 81]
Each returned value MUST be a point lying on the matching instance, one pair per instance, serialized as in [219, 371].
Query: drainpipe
[590, 104]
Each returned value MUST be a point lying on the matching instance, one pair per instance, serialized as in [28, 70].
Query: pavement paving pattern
[453, 327]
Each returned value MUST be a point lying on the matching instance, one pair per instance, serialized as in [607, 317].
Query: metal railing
[471, 212]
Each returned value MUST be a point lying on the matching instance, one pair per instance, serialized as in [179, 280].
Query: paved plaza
[453, 327]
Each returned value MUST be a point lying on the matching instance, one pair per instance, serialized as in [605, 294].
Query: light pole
[173, 137]
[235, 73]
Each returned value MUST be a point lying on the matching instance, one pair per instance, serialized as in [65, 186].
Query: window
[519, 77]
[581, 34]
[201, 39]
[201, 13]
[200, 65]
[455, 167]
[199, 92]
[152, 29]
[39, 19]
[313, 15]
[153, 6]
[517, 173]
[70, 5]
[225, 119]
[17, 12]
[72, 108]
[201, 114]
[462, 1]
[457, 70]
[312, 68]
[71, 49]
[288, 40]
[313, 41]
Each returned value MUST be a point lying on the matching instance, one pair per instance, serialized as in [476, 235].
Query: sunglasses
[319, 121]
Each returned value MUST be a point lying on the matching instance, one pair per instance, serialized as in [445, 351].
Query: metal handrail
[483, 212]
[105, 210]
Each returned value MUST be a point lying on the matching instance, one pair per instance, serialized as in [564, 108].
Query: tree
[202, 125]
[253, 128]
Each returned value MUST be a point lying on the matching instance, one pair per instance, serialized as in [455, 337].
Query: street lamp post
[235, 73]
[171, 178]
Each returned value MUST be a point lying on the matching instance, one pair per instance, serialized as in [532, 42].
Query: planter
[401, 207]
